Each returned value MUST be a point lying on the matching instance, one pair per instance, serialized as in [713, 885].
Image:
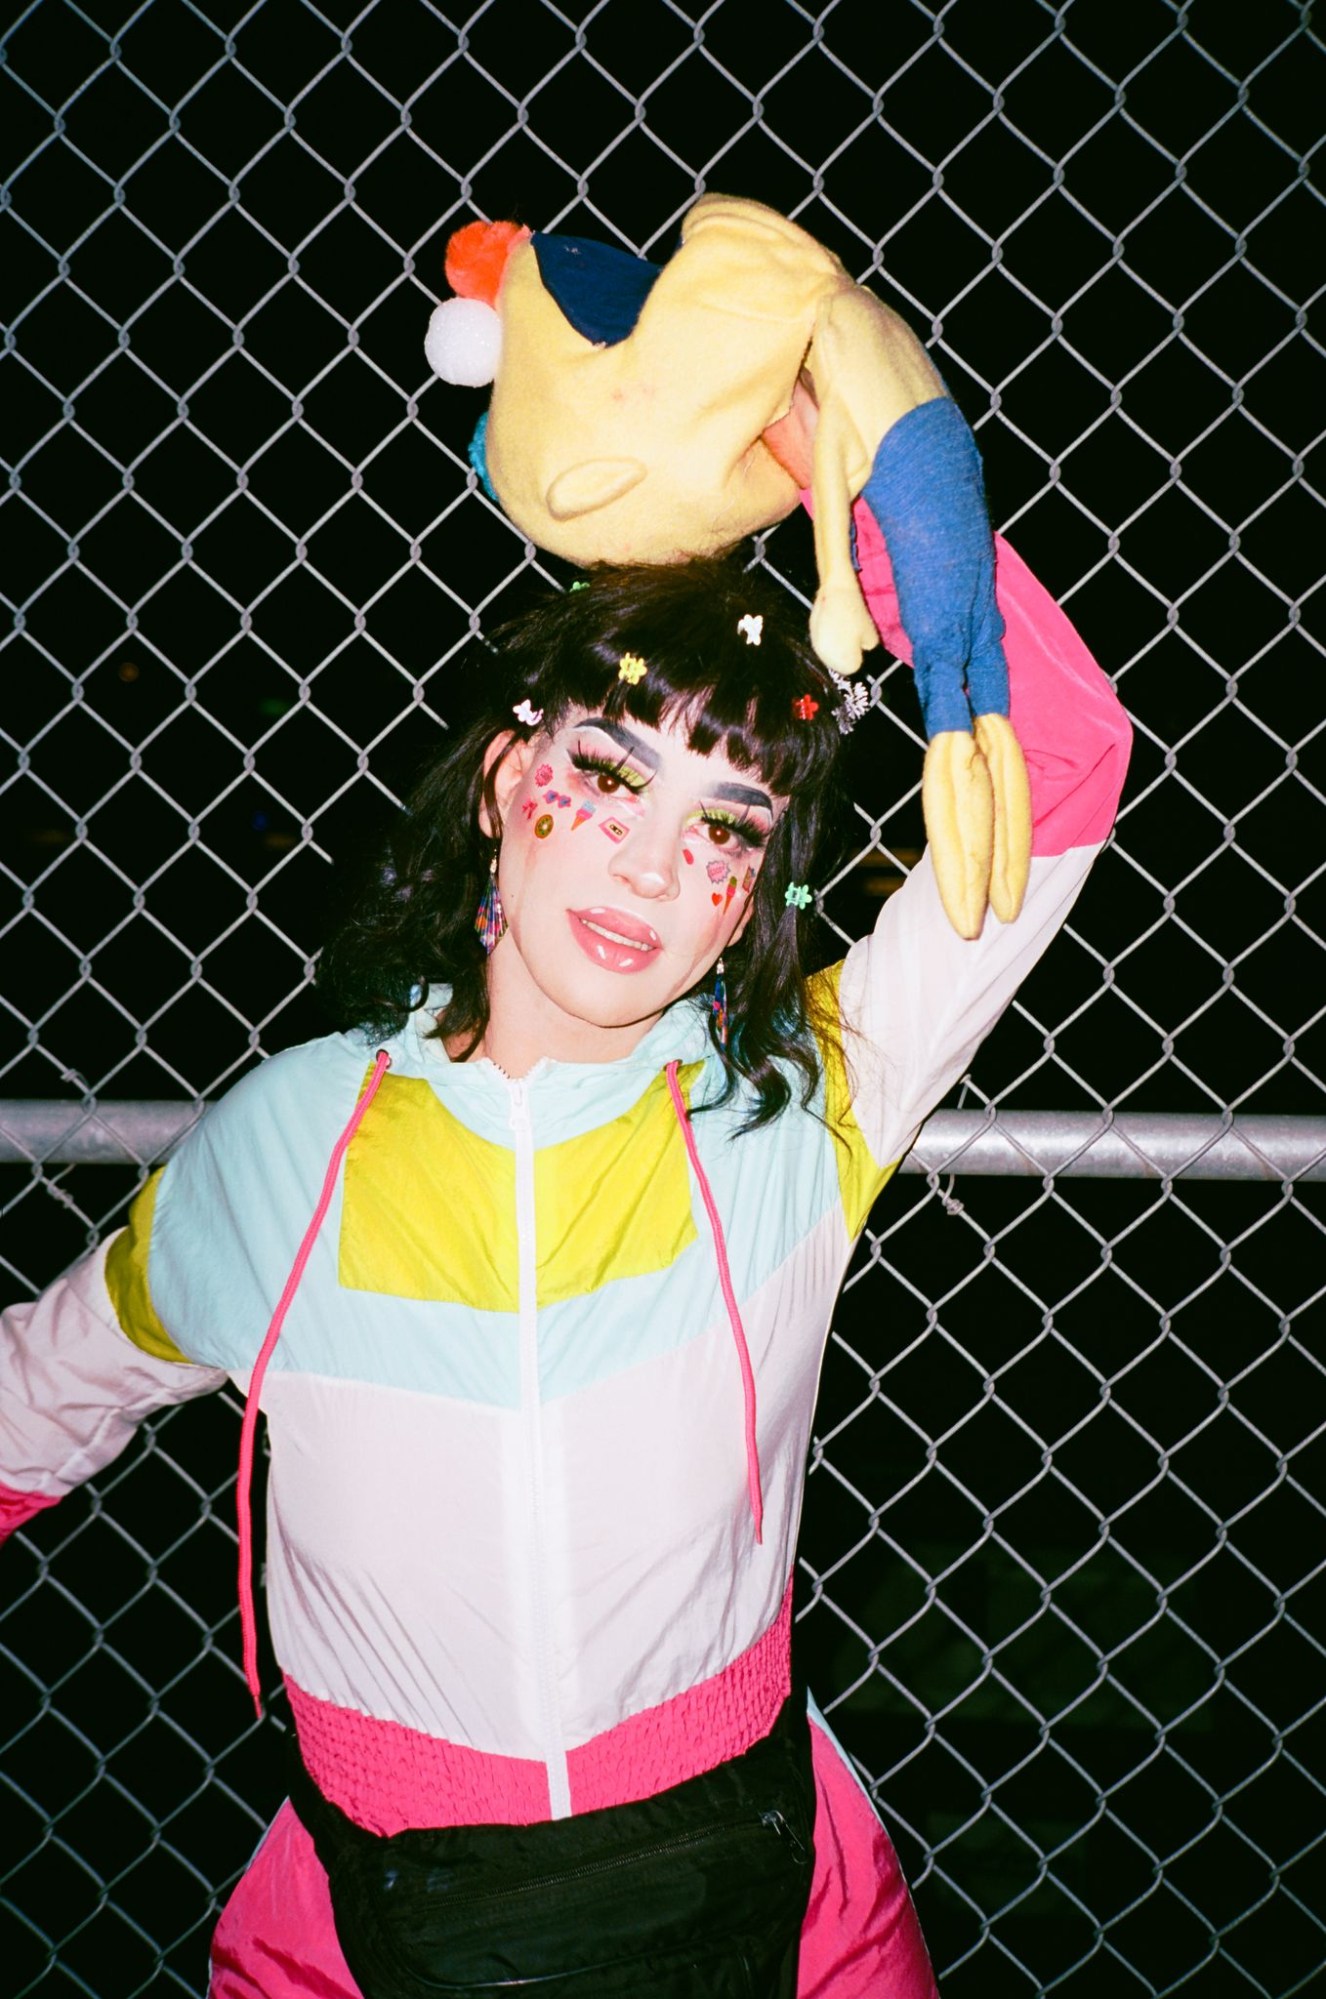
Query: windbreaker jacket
[512, 1569]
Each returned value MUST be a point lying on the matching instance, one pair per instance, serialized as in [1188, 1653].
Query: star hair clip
[526, 712]
[631, 668]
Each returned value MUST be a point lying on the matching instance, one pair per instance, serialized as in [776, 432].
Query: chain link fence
[1063, 1553]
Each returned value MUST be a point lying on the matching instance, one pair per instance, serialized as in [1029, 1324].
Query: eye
[721, 830]
[604, 777]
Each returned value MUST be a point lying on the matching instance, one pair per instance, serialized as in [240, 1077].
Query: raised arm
[916, 998]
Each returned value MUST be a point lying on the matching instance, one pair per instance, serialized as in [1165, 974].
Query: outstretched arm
[76, 1379]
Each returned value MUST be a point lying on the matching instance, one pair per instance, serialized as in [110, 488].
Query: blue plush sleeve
[927, 493]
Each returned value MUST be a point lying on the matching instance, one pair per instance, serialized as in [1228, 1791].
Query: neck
[524, 1026]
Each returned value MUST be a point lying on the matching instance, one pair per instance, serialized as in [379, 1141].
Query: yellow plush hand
[841, 628]
[1010, 862]
[958, 801]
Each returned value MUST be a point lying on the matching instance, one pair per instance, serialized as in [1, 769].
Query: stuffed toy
[647, 413]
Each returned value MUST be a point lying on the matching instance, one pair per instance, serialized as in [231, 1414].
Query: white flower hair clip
[855, 700]
[751, 627]
[526, 712]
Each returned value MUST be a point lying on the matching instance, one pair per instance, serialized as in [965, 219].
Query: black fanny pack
[697, 1893]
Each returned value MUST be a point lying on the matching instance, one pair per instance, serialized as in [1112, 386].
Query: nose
[646, 861]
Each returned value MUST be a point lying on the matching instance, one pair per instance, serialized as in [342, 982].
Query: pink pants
[860, 1940]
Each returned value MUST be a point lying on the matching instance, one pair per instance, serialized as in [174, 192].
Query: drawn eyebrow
[731, 794]
[743, 794]
[623, 738]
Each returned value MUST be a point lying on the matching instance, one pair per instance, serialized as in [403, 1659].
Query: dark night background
[1064, 1537]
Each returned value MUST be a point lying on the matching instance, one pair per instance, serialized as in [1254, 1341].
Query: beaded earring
[490, 917]
[718, 1005]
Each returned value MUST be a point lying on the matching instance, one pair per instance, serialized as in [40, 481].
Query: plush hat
[647, 413]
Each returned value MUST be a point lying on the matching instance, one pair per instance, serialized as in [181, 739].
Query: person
[553, 1229]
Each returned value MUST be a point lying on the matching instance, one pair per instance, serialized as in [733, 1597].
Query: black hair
[768, 707]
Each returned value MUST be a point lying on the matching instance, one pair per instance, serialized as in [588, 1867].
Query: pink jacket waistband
[389, 1778]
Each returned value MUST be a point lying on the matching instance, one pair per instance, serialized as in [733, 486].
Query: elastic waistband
[389, 1778]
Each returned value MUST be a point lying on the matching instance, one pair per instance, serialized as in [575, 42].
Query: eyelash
[630, 780]
[589, 764]
[745, 829]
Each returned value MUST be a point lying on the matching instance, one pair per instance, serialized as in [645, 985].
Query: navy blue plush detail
[601, 291]
[927, 493]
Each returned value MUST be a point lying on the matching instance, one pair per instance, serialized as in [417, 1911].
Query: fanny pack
[700, 1890]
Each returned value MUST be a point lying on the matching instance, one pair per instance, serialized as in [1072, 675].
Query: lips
[613, 939]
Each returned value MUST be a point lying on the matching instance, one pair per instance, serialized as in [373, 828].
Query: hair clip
[855, 701]
[526, 712]
[631, 668]
[797, 895]
[582, 585]
[805, 707]
[751, 627]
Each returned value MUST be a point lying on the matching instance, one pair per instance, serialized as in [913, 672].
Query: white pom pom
[464, 342]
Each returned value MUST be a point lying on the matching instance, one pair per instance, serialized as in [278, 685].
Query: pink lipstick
[614, 940]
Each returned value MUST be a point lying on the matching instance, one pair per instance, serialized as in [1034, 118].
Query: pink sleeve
[17, 1508]
[1074, 734]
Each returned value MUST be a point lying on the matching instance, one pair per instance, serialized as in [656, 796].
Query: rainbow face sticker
[614, 829]
[543, 826]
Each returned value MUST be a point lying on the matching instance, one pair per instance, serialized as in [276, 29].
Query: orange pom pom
[476, 258]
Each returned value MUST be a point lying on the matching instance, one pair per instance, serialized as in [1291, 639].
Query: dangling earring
[718, 1005]
[490, 917]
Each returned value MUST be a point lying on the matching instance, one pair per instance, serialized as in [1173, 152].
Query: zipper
[591, 1869]
[531, 1420]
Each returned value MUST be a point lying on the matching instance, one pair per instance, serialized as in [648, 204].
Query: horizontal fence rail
[1003, 1144]
[1061, 1563]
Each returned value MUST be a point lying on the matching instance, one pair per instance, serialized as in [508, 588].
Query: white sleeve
[74, 1387]
[917, 1000]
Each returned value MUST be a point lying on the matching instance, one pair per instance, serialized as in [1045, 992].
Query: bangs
[700, 673]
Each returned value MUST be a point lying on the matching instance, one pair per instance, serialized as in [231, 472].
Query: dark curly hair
[413, 926]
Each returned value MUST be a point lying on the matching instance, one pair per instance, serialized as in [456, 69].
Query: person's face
[628, 862]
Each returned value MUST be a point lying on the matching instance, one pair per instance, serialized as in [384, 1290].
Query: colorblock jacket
[512, 1566]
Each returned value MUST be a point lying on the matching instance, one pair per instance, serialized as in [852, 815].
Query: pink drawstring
[247, 1622]
[730, 1300]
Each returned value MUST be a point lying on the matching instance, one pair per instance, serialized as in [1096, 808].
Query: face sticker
[531, 806]
[688, 857]
[716, 870]
[543, 827]
[557, 798]
[730, 890]
[615, 830]
[748, 881]
[585, 812]
[543, 775]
